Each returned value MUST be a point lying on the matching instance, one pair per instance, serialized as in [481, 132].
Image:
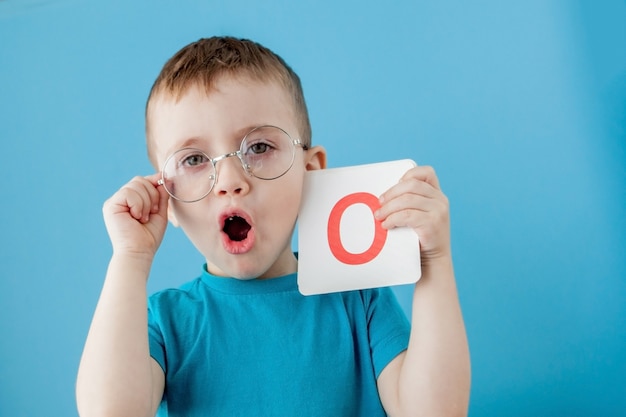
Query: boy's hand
[136, 216]
[416, 201]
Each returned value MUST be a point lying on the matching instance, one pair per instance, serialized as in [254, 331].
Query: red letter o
[334, 235]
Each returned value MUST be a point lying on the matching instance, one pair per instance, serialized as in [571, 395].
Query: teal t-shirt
[260, 348]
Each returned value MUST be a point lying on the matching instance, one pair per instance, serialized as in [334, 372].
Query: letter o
[334, 234]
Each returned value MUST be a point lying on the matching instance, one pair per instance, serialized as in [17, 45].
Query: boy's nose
[231, 177]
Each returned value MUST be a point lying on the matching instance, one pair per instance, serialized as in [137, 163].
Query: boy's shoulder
[188, 289]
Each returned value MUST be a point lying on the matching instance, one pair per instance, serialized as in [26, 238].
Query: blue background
[520, 106]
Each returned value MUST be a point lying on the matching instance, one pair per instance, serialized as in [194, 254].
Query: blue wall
[520, 106]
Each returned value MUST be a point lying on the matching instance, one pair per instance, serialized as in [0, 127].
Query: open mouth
[236, 228]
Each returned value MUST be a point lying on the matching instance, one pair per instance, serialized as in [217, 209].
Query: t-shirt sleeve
[155, 335]
[388, 327]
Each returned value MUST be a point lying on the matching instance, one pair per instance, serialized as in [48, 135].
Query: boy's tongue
[236, 228]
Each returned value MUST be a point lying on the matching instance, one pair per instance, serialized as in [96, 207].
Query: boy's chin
[238, 271]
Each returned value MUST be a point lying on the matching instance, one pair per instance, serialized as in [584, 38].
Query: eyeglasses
[266, 152]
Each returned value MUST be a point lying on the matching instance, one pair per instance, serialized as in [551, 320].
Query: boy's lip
[238, 246]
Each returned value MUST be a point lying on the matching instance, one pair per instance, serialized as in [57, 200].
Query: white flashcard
[341, 245]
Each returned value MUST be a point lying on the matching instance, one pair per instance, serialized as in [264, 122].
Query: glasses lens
[267, 152]
[188, 175]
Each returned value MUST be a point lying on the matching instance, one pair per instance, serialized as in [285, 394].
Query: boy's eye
[194, 160]
[259, 147]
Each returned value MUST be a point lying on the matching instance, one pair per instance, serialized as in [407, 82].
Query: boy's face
[267, 209]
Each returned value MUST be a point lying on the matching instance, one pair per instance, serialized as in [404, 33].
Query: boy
[241, 340]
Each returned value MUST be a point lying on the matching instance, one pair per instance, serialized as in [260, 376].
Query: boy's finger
[422, 173]
[154, 178]
[409, 184]
[134, 201]
[142, 198]
[161, 195]
[161, 203]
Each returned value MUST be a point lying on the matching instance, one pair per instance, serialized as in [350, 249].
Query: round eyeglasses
[266, 152]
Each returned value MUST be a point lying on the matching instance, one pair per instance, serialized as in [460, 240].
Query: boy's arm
[117, 376]
[432, 377]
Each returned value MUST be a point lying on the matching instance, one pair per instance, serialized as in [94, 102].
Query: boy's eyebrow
[193, 142]
[196, 141]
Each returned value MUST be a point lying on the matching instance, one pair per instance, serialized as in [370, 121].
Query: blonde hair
[203, 62]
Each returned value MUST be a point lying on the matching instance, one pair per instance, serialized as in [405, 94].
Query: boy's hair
[203, 62]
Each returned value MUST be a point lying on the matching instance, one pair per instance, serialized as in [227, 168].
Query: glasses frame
[239, 154]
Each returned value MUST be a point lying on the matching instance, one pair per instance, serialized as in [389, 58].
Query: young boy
[227, 127]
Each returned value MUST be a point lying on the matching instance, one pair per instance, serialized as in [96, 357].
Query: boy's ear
[315, 158]
[170, 213]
